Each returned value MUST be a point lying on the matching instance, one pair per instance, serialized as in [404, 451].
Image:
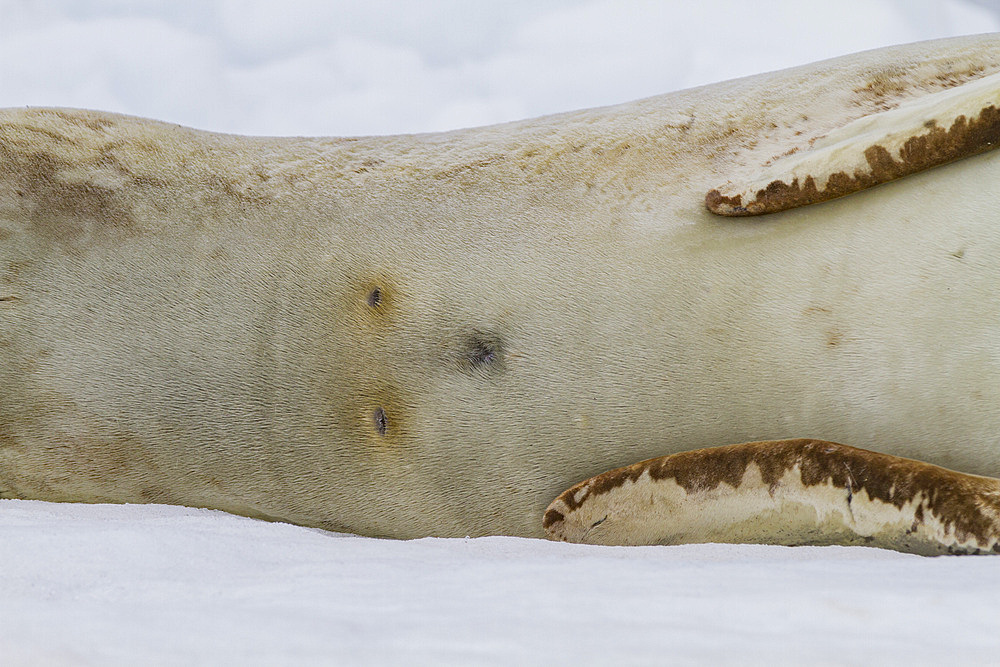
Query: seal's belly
[884, 313]
[870, 321]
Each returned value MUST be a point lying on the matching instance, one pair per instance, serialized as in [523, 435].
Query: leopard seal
[438, 334]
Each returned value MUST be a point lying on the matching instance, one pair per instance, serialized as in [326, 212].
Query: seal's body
[436, 334]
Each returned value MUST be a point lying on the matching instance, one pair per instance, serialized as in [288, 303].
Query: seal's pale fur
[437, 334]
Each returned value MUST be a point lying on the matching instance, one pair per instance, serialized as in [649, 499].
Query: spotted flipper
[790, 492]
[926, 132]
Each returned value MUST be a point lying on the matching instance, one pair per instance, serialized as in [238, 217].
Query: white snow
[152, 585]
[155, 585]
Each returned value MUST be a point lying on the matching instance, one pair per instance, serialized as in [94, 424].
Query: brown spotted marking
[74, 177]
[887, 86]
[968, 505]
[924, 132]
[60, 204]
[937, 147]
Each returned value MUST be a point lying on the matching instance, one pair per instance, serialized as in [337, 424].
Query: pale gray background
[375, 66]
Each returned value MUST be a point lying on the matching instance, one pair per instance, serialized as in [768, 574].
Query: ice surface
[152, 585]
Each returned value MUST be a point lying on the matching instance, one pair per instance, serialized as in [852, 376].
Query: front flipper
[926, 132]
[790, 492]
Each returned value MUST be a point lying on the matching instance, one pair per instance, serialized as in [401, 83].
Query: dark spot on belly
[483, 353]
[375, 298]
[834, 337]
[380, 420]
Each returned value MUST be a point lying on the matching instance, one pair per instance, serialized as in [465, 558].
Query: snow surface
[155, 585]
[107, 584]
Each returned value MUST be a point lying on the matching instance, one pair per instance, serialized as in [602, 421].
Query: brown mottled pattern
[35, 174]
[957, 499]
[937, 147]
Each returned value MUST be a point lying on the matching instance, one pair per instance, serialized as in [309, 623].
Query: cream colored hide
[438, 334]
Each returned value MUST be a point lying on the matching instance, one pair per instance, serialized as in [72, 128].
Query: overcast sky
[346, 67]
